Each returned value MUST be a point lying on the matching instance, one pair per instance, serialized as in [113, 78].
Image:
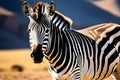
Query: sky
[82, 12]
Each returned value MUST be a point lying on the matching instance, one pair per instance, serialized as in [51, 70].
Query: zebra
[88, 54]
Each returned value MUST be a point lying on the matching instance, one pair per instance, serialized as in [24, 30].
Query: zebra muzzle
[37, 54]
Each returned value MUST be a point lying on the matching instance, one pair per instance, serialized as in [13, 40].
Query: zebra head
[39, 27]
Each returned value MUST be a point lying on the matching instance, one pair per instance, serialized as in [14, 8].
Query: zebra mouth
[37, 54]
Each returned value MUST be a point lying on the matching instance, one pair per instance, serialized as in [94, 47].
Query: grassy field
[21, 58]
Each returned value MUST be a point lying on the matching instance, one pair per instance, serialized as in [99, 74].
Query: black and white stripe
[72, 55]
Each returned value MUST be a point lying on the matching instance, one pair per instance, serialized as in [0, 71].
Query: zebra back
[110, 31]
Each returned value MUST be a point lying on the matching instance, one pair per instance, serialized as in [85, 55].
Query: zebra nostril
[31, 55]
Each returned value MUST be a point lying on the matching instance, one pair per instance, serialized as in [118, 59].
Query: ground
[18, 65]
[42, 75]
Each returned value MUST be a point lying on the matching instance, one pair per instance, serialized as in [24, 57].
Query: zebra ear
[28, 11]
[52, 8]
[26, 8]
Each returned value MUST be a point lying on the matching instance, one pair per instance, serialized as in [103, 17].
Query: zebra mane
[61, 21]
[57, 18]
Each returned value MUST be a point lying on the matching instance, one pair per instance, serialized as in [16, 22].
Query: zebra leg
[115, 75]
[111, 77]
[117, 72]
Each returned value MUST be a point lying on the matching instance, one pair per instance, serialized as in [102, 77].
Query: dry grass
[42, 75]
[21, 57]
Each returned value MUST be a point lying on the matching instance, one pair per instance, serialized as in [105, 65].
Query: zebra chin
[37, 54]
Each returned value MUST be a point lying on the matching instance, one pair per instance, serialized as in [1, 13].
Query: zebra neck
[61, 21]
[55, 44]
[60, 52]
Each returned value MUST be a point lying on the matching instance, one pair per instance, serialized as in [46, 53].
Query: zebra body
[66, 59]
[93, 58]
[89, 54]
[107, 38]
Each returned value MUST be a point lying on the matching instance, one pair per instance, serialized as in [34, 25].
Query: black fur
[37, 54]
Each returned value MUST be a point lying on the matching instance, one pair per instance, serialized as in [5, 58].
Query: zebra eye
[28, 30]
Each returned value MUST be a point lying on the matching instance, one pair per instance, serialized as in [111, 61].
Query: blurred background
[14, 42]
[84, 13]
